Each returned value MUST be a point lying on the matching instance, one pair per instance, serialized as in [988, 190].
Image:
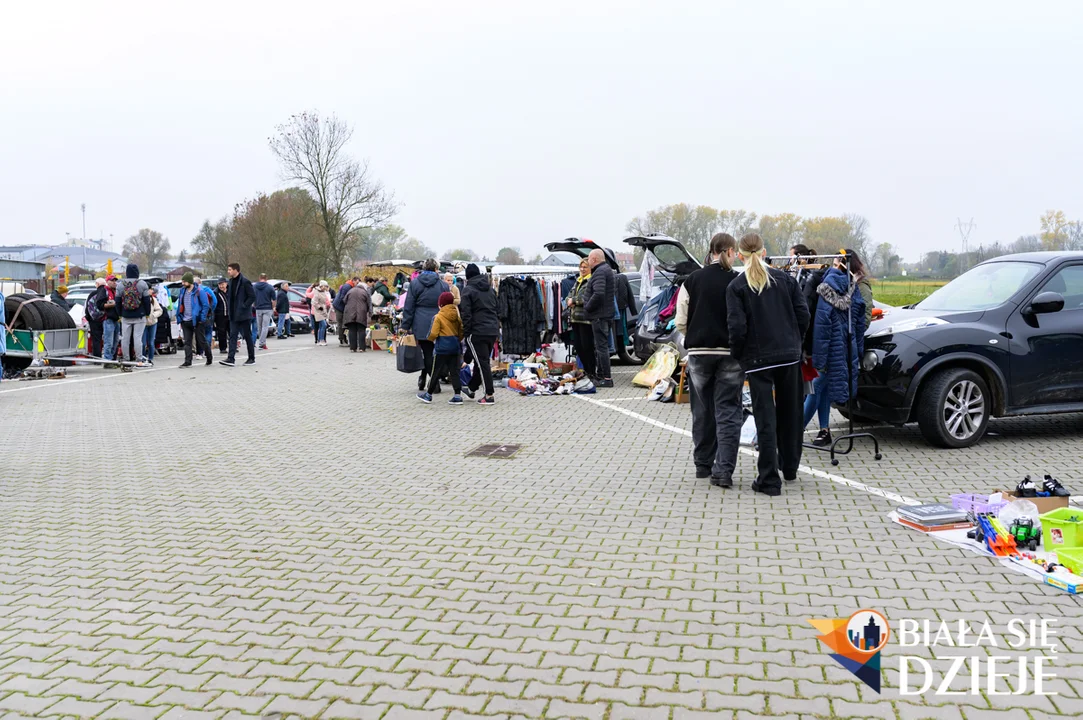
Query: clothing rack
[851, 436]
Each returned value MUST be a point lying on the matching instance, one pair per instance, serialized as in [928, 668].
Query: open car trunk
[655, 325]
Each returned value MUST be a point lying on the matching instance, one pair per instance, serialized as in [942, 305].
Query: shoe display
[723, 482]
[702, 471]
[455, 400]
[425, 397]
[1026, 488]
[1054, 488]
[486, 401]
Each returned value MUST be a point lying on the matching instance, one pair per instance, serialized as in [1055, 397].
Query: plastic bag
[1019, 509]
[660, 365]
[748, 431]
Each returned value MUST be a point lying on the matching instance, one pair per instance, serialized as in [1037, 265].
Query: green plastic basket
[1062, 528]
[1071, 558]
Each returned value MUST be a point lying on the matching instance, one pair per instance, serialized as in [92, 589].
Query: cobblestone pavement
[304, 539]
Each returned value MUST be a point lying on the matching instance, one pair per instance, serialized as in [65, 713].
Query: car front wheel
[954, 408]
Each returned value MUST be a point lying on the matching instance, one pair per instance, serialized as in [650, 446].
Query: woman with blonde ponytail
[767, 317]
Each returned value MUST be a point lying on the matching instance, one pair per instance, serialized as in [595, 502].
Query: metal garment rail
[851, 436]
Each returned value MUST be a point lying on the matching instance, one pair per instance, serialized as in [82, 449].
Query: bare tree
[859, 239]
[216, 244]
[148, 249]
[313, 152]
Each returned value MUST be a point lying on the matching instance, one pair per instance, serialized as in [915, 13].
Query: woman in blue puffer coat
[840, 303]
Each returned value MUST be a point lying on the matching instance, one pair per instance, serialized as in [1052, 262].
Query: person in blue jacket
[192, 312]
[208, 324]
[419, 311]
[839, 305]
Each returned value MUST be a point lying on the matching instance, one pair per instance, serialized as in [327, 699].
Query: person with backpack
[767, 318]
[208, 324]
[95, 317]
[192, 311]
[133, 297]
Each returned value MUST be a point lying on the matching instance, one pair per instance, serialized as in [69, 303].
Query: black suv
[1003, 339]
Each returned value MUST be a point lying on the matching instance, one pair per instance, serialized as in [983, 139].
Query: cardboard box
[378, 333]
[383, 345]
[559, 368]
[1044, 504]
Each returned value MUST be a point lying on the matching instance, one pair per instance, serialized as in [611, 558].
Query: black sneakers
[703, 471]
[823, 439]
[721, 482]
[1054, 488]
[1026, 488]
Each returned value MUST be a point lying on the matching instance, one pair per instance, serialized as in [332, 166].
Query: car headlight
[870, 361]
[908, 325]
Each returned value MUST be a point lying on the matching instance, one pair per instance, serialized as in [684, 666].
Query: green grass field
[903, 291]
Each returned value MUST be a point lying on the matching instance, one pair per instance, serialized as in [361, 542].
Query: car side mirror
[1046, 302]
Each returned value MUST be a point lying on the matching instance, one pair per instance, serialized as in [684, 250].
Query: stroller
[163, 336]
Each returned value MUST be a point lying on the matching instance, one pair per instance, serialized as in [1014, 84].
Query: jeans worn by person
[320, 331]
[776, 403]
[819, 403]
[262, 323]
[284, 326]
[110, 338]
[149, 336]
[717, 415]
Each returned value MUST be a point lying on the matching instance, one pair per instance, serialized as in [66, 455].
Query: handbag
[408, 357]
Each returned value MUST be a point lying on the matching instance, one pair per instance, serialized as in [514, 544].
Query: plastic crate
[1071, 558]
[1062, 528]
[976, 504]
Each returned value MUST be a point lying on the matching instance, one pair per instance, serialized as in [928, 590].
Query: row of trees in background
[1057, 232]
[693, 226]
[330, 216]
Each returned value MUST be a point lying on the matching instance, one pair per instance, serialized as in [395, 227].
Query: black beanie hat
[472, 271]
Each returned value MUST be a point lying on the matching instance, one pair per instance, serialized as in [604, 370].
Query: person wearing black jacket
[598, 305]
[282, 309]
[242, 303]
[767, 318]
[221, 313]
[716, 378]
[481, 326]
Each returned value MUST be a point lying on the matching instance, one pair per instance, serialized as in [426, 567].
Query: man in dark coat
[282, 308]
[241, 301]
[598, 305]
[60, 297]
[481, 326]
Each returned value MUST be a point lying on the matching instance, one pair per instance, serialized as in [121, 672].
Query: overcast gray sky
[511, 123]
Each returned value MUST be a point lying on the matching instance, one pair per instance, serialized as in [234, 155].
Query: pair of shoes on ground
[427, 398]
[1051, 485]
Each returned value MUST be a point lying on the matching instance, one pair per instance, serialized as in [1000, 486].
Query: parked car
[581, 248]
[1003, 339]
[673, 266]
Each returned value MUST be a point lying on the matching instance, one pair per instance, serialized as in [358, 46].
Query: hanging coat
[838, 306]
[520, 313]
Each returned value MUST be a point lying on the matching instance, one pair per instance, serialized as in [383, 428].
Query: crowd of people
[776, 329]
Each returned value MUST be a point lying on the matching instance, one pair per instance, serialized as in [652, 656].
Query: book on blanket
[932, 514]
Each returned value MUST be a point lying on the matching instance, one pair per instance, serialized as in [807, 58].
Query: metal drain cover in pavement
[494, 451]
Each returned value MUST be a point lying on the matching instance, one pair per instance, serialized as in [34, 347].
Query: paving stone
[569, 580]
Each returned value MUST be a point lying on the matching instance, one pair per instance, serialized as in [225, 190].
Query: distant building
[561, 259]
[626, 260]
[178, 271]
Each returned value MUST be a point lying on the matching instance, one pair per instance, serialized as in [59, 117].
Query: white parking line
[871, 490]
[140, 371]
